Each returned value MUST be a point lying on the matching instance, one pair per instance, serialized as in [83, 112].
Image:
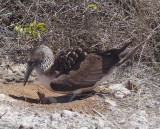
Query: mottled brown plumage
[77, 70]
[83, 74]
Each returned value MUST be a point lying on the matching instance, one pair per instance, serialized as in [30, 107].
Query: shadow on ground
[52, 100]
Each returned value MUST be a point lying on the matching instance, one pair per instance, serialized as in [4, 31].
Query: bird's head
[40, 58]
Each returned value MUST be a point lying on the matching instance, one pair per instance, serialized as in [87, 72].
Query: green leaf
[27, 30]
[33, 24]
[94, 6]
[17, 28]
[40, 24]
[42, 29]
[27, 25]
[33, 30]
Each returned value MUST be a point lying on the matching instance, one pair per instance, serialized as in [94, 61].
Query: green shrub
[32, 30]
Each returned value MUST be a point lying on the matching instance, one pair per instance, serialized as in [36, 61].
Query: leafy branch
[33, 30]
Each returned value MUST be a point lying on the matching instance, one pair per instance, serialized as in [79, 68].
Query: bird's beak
[29, 70]
[126, 55]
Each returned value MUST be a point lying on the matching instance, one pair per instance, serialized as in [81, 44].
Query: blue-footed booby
[77, 70]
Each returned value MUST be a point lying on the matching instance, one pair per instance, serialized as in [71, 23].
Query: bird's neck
[45, 65]
[42, 71]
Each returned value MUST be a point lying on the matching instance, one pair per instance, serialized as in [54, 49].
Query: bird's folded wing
[66, 60]
[87, 73]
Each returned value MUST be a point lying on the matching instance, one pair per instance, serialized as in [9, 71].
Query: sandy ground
[99, 110]
[28, 95]
[109, 106]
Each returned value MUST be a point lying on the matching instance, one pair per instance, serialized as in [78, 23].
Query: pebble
[119, 90]
[67, 113]
[55, 116]
[14, 73]
[9, 79]
[3, 97]
[111, 102]
[84, 128]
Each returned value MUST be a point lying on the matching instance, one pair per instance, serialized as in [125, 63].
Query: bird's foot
[71, 97]
[46, 100]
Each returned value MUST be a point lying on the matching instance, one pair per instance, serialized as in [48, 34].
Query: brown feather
[89, 72]
[82, 70]
[65, 60]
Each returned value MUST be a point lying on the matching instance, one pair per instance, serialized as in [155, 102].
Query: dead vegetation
[72, 23]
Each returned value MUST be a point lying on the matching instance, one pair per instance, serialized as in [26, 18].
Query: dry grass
[72, 22]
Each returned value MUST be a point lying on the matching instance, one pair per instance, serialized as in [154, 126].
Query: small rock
[18, 68]
[106, 128]
[101, 123]
[1, 80]
[3, 97]
[67, 113]
[84, 128]
[21, 127]
[119, 94]
[55, 116]
[112, 103]
[7, 73]
[19, 79]
[143, 116]
[130, 85]
[119, 90]
[9, 79]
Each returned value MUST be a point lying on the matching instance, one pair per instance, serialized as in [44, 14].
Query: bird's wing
[84, 74]
[81, 70]
[66, 60]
